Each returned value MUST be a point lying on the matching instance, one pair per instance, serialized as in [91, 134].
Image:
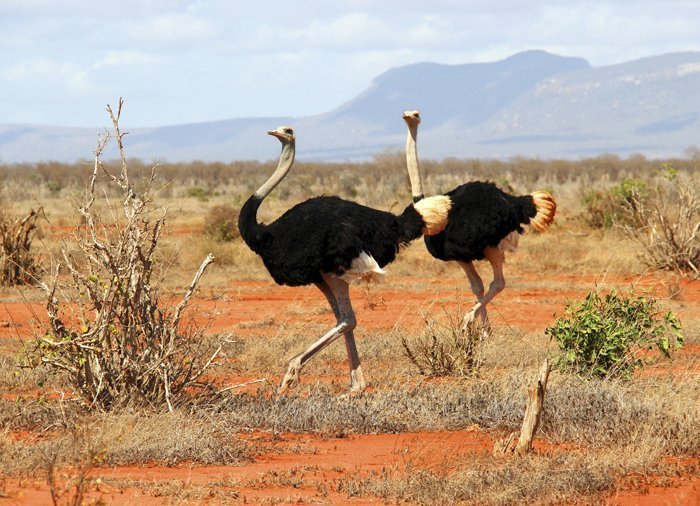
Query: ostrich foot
[357, 381]
[291, 378]
[469, 321]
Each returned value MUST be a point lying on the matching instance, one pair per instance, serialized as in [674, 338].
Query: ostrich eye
[288, 131]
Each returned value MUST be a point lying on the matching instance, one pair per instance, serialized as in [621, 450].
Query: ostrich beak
[274, 132]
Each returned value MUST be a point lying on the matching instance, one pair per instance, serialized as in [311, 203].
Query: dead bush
[18, 264]
[117, 342]
[665, 223]
[446, 347]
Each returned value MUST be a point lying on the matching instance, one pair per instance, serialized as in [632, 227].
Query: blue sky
[182, 61]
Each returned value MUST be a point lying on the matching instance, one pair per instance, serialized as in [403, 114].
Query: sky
[177, 61]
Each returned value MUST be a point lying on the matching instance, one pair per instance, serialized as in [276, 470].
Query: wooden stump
[531, 420]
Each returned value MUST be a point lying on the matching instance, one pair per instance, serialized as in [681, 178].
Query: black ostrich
[330, 242]
[483, 223]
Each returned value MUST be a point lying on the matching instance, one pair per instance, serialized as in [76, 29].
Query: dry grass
[578, 477]
[124, 439]
[182, 491]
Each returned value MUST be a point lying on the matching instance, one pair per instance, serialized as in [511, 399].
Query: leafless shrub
[446, 347]
[666, 223]
[18, 265]
[117, 343]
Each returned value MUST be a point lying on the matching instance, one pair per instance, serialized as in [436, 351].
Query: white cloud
[126, 58]
[168, 28]
[70, 75]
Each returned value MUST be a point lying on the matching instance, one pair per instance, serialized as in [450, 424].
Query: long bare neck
[251, 230]
[285, 163]
[412, 163]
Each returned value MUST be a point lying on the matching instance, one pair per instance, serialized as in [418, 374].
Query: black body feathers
[325, 234]
[481, 216]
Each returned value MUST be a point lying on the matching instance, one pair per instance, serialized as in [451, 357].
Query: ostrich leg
[496, 258]
[337, 293]
[357, 380]
[477, 287]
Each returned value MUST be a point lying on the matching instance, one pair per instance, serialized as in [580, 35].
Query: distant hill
[530, 104]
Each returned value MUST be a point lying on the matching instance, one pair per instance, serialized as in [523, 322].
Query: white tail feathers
[434, 212]
[546, 209]
[364, 268]
[510, 242]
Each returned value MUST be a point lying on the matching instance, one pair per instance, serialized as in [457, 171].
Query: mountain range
[532, 104]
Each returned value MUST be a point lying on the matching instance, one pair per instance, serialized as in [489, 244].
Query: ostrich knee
[497, 286]
[348, 324]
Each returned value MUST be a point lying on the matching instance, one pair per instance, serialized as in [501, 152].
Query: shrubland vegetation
[119, 348]
[18, 263]
[604, 336]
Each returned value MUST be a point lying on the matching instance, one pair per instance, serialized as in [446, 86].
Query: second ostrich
[330, 242]
[483, 223]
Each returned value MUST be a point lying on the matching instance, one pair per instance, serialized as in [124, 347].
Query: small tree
[115, 340]
[18, 265]
[603, 337]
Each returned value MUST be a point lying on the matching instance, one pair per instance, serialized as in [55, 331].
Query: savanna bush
[605, 208]
[663, 218]
[604, 336]
[221, 223]
[19, 265]
[116, 341]
[446, 347]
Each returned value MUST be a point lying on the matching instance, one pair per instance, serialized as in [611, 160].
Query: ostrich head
[412, 118]
[284, 133]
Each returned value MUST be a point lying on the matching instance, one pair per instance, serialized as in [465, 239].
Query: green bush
[200, 194]
[604, 337]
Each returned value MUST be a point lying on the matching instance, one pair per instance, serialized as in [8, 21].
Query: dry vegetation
[596, 436]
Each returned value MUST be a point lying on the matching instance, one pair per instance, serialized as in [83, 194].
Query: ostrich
[331, 242]
[483, 223]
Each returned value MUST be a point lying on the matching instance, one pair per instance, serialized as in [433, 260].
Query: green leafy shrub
[604, 337]
[221, 223]
[200, 194]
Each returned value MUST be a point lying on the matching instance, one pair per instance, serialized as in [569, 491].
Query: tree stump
[531, 420]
